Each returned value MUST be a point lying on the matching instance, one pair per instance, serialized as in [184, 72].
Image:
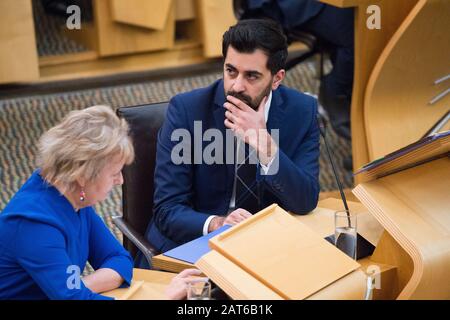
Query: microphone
[322, 128]
[364, 247]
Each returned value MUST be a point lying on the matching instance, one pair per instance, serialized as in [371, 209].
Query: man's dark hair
[267, 35]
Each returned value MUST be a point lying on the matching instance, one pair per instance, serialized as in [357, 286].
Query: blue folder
[195, 249]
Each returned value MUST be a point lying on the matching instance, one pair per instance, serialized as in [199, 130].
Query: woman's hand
[177, 289]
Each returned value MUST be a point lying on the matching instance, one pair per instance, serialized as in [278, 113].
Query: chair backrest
[137, 190]
[239, 8]
[312, 45]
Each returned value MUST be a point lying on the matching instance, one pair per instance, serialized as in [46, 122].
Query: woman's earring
[82, 195]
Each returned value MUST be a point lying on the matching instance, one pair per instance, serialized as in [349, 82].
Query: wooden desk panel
[396, 107]
[321, 220]
[146, 285]
[413, 207]
[352, 286]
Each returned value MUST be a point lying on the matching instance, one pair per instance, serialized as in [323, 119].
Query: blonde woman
[49, 230]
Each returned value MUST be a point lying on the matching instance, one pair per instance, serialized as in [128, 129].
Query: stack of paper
[426, 149]
[184, 256]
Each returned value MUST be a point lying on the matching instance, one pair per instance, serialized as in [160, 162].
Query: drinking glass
[199, 289]
[345, 232]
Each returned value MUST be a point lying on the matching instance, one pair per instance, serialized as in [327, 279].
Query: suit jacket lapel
[218, 109]
[277, 111]
[219, 118]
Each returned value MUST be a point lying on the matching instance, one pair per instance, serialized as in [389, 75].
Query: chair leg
[319, 65]
[322, 58]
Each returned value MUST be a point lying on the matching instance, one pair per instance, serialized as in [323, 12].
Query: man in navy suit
[196, 196]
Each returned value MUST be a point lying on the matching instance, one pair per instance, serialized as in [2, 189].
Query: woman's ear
[277, 78]
[81, 182]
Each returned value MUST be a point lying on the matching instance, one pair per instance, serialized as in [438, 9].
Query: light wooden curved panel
[369, 44]
[396, 109]
[414, 208]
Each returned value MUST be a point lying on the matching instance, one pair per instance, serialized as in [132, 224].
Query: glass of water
[345, 232]
[199, 289]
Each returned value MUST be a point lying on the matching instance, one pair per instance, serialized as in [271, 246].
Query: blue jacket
[44, 243]
[186, 194]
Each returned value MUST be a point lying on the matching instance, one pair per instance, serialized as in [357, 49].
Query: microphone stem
[338, 181]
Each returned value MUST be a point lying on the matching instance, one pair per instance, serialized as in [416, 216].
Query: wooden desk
[413, 207]
[321, 220]
[395, 69]
[151, 285]
[146, 285]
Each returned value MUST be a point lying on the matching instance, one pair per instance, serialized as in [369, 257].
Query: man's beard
[252, 103]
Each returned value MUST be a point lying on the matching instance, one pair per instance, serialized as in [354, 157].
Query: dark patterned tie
[245, 173]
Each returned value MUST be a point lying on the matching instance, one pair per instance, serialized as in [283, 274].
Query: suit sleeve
[173, 214]
[106, 252]
[295, 179]
[41, 251]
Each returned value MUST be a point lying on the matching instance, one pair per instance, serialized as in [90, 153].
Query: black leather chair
[313, 45]
[137, 189]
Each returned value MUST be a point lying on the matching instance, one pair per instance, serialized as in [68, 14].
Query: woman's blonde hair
[81, 145]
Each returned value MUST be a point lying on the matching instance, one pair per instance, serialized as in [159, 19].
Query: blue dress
[45, 244]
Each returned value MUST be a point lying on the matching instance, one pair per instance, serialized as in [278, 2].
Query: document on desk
[424, 150]
[195, 249]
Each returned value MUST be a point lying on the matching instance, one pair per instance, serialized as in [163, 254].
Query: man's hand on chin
[250, 126]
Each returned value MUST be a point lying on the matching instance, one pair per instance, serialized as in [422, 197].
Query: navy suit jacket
[187, 194]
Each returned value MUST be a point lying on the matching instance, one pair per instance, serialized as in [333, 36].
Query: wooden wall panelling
[118, 38]
[215, 17]
[18, 52]
[184, 10]
[151, 14]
